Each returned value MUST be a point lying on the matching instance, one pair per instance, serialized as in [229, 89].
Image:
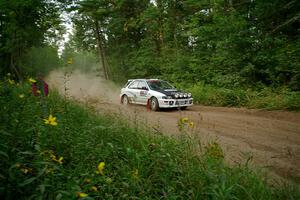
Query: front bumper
[174, 103]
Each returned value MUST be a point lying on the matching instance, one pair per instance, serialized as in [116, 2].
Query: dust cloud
[85, 87]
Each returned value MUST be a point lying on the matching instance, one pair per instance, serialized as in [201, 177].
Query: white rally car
[154, 93]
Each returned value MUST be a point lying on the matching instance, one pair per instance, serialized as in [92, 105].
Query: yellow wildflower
[184, 120]
[94, 188]
[135, 173]
[70, 61]
[21, 96]
[38, 91]
[52, 156]
[51, 120]
[26, 170]
[81, 194]
[60, 160]
[31, 80]
[100, 168]
[11, 81]
[87, 180]
[191, 125]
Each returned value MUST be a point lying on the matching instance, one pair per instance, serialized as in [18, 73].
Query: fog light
[171, 103]
[191, 101]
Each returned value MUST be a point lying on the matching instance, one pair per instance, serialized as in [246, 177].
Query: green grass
[266, 98]
[138, 165]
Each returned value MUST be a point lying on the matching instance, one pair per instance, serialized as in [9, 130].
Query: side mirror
[144, 88]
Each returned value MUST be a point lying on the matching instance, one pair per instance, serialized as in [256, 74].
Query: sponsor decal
[143, 93]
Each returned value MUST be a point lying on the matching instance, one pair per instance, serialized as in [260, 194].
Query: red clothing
[44, 88]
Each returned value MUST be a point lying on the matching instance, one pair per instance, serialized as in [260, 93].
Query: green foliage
[24, 24]
[223, 44]
[44, 161]
[40, 60]
[267, 98]
[83, 60]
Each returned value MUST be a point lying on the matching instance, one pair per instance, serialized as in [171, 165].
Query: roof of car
[144, 79]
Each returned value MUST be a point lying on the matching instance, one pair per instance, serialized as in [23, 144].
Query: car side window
[142, 85]
[133, 85]
[128, 82]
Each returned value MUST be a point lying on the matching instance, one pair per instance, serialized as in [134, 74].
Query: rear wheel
[125, 100]
[154, 104]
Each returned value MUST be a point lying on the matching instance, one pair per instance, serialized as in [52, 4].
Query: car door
[143, 90]
[133, 91]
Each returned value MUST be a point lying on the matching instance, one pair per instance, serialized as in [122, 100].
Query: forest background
[226, 52]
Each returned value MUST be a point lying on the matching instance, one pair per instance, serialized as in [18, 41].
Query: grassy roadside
[266, 98]
[78, 154]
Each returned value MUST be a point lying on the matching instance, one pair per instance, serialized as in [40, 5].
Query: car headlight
[185, 95]
[189, 95]
[181, 95]
[176, 95]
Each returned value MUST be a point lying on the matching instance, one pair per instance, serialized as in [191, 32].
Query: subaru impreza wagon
[154, 93]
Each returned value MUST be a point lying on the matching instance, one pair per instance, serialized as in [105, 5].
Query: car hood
[169, 92]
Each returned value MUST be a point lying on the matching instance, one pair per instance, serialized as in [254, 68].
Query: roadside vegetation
[56, 149]
[227, 53]
[264, 98]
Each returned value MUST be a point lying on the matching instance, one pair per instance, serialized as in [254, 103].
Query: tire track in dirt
[270, 138]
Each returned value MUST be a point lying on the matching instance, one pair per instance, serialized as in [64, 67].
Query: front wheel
[183, 108]
[125, 100]
[154, 104]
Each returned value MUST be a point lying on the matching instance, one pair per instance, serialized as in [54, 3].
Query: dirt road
[270, 139]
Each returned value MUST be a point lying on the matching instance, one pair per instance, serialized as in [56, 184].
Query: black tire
[125, 100]
[154, 104]
[183, 108]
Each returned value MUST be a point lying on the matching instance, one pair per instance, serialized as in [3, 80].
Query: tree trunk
[13, 68]
[160, 34]
[101, 50]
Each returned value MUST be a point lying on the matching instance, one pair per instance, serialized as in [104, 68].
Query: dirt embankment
[270, 139]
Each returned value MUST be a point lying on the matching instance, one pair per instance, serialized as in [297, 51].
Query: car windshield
[159, 85]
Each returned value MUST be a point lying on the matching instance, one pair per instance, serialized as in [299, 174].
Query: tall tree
[97, 11]
[23, 24]
[228, 43]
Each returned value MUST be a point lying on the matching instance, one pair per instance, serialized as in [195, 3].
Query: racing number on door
[143, 93]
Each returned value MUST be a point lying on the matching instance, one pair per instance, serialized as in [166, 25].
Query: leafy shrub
[267, 98]
[40, 60]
